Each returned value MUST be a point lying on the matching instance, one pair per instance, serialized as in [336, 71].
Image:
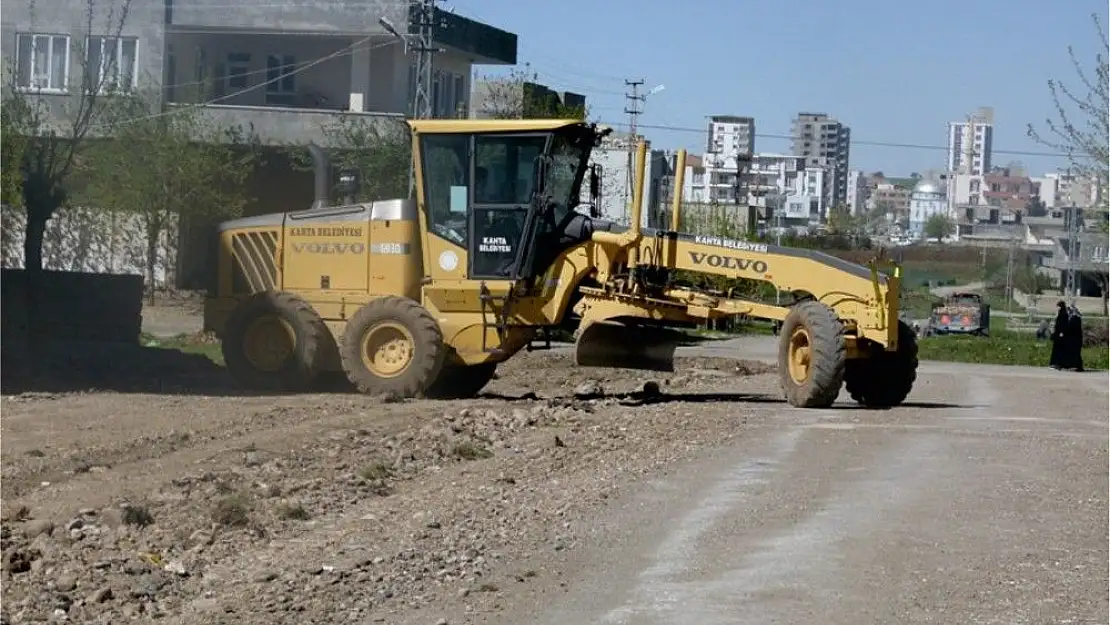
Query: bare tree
[511, 97]
[1080, 128]
[51, 141]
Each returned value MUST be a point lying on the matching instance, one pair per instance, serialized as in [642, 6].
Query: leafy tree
[514, 97]
[939, 226]
[50, 144]
[1036, 208]
[165, 167]
[380, 152]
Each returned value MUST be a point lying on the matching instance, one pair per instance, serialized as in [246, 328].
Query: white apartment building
[1060, 189]
[857, 192]
[969, 143]
[729, 144]
[927, 200]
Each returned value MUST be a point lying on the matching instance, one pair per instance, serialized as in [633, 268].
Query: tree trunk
[153, 231]
[34, 234]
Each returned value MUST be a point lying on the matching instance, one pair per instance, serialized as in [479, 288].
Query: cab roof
[449, 126]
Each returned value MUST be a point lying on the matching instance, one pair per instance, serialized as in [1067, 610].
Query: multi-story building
[969, 143]
[1061, 189]
[283, 68]
[858, 192]
[729, 146]
[926, 200]
[825, 143]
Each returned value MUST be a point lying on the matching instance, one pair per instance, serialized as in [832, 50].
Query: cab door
[499, 200]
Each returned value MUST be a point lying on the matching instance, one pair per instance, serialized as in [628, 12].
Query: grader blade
[619, 346]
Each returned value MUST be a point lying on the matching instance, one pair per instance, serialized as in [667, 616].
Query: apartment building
[1062, 189]
[730, 142]
[826, 143]
[858, 192]
[969, 143]
[283, 67]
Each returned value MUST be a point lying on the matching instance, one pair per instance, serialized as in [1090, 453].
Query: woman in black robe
[1058, 359]
[1075, 339]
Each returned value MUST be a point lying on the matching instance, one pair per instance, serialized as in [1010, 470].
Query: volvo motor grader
[496, 252]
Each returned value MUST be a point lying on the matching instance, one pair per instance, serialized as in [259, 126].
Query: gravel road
[984, 502]
[563, 495]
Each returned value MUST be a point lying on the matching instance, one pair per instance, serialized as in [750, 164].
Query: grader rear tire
[275, 341]
[392, 345]
[885, 379]
[811, 355]
[461, 381]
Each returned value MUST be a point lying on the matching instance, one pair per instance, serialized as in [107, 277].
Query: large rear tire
[275, 341]
[461, 381]
[885, 379]
[811, 355]
[392, 345]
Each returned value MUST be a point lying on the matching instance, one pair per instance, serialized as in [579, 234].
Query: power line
[885, 144]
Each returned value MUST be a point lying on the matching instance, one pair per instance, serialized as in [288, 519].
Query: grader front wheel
[811, 355]
[885, 379]
[392, 345]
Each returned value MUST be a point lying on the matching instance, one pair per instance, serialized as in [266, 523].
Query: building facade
[283, 68]
[927, 200]
[969, 143]
[826, 143]
[858, 192]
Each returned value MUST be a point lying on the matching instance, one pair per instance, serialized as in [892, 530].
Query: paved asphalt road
[983, 500]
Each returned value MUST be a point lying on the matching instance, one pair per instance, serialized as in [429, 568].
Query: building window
[238, 70]
[281, 84]
[42, 61]
[116, 60]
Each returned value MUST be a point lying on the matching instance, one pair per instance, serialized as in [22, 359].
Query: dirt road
[563, 496]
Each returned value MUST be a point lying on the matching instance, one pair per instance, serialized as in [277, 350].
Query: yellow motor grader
[496, 252]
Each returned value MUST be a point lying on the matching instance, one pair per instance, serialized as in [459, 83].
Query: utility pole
[634, 109]
[422, 43]
[1010, 274]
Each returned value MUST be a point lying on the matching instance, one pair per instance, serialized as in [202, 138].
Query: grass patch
[376, 471]
[1002, 348]
[232, 511]
[471, 451]
[201, 344]
[293, 512]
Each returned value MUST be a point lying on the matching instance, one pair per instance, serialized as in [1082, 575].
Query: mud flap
[615, 345]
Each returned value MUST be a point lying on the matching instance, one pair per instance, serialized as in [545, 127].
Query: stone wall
[93, 241]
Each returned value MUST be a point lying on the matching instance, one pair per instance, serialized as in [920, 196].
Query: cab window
[503, 167]
[446, 180]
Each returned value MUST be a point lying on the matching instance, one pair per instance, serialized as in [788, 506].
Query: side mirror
[595, 190]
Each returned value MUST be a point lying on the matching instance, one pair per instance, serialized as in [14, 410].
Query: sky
[893, 71]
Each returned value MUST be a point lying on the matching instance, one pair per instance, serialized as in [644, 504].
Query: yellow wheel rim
[799, 356]
[387, 349]
[268, 343]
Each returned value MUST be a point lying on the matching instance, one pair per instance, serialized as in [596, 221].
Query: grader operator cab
[426, 296]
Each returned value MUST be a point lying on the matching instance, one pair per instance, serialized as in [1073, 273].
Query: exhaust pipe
[321, 167]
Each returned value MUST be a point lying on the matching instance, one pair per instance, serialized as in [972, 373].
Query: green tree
[165, 167]
[939, 226]
[50, 137]
[379, 151]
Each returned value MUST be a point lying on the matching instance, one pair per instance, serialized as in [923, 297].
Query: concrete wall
[335, 16]
[71, 306]
[89, 240]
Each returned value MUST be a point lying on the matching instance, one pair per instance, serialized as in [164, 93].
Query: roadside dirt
[172, 497]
